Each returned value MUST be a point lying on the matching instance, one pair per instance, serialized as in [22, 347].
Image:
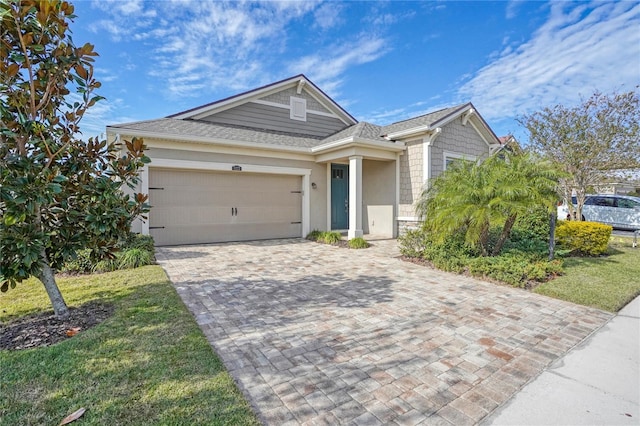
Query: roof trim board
[205, 140]
[351, 141]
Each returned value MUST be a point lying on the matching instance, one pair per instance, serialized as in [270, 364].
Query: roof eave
[414, 131]
[207, 140]
[358, 141]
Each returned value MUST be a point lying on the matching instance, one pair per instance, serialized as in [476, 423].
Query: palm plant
[473, 197]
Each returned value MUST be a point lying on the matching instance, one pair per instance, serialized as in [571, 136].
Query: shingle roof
[215, 131]
[186, 128]
[423, 120]
[361, 130]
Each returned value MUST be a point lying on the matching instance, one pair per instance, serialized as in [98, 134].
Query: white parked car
[619, 211]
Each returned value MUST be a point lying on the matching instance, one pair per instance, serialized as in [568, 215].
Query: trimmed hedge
[588, 238]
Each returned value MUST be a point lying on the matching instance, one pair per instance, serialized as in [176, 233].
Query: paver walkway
[315, 334]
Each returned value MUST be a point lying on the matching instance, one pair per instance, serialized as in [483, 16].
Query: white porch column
[355, 197]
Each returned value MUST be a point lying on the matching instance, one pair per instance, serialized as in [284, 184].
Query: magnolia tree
[58, 193]
[591, 141]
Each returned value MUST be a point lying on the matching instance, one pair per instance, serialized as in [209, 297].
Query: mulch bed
[45, 329]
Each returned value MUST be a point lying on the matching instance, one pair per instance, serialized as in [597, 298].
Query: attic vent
[298, 108]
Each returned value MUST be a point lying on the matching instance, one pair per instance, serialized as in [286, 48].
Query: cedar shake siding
[411, 179]
[459, 140]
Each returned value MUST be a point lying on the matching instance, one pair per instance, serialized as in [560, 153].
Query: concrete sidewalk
[597, 383]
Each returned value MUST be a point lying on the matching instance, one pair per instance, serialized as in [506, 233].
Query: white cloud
[512, 9]
[326, 68]
[577, 50]
[328, 16]
[199, 46]
[124, 18]
[102, 113]
[386, 19]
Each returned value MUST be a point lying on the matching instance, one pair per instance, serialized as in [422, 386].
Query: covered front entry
[196, 206]
[339, 196]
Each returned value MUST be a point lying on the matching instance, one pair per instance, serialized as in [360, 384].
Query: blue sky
[382, 61]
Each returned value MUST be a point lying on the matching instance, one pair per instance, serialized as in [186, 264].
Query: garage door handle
[234, 211]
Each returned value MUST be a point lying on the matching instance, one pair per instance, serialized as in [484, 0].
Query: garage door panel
[201, 207]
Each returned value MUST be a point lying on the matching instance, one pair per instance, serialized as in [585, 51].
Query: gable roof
[361, 130]
[300, 82]
[430, 119]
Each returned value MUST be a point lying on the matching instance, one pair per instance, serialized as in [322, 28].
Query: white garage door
[190, 207]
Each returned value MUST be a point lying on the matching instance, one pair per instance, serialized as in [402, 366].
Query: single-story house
[285, 159]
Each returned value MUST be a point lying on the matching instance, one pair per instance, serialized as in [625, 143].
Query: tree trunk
[484, 238]
[506, 231]
[48, 278]
[552, 234]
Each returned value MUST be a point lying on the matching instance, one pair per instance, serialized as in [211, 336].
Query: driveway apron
[316, 334]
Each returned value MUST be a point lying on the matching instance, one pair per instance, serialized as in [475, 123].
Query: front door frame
[339, 197]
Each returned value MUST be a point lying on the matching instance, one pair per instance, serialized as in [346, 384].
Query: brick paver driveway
[323, 335]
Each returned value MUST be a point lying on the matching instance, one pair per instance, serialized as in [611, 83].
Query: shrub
[515, 269]
[136, 250]
[314, 235]
[450, 255]
[515, 266]
[139, 241]
[588, 238]
[358, 243]
[532, 225]
[329, 237]
[413, 242]
[134, 258]
[81, 264]
[105, 265]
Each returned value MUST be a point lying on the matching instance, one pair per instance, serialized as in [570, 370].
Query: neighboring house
[285, 159]
[623, 182]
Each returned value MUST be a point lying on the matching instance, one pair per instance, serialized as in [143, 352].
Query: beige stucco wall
[411, 179]
[378, 197]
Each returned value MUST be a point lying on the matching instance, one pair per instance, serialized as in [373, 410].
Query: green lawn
[607, 282]
[148, 364]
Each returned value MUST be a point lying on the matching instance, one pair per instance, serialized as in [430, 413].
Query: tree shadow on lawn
[148, 362]
[608, 258]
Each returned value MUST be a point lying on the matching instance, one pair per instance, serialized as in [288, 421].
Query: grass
[148, 364]
[606, 282]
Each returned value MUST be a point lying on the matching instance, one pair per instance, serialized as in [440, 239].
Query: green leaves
[473, 197]
[591, 141]
[58, 193]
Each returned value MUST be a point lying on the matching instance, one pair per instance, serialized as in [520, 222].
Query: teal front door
[339, 196]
